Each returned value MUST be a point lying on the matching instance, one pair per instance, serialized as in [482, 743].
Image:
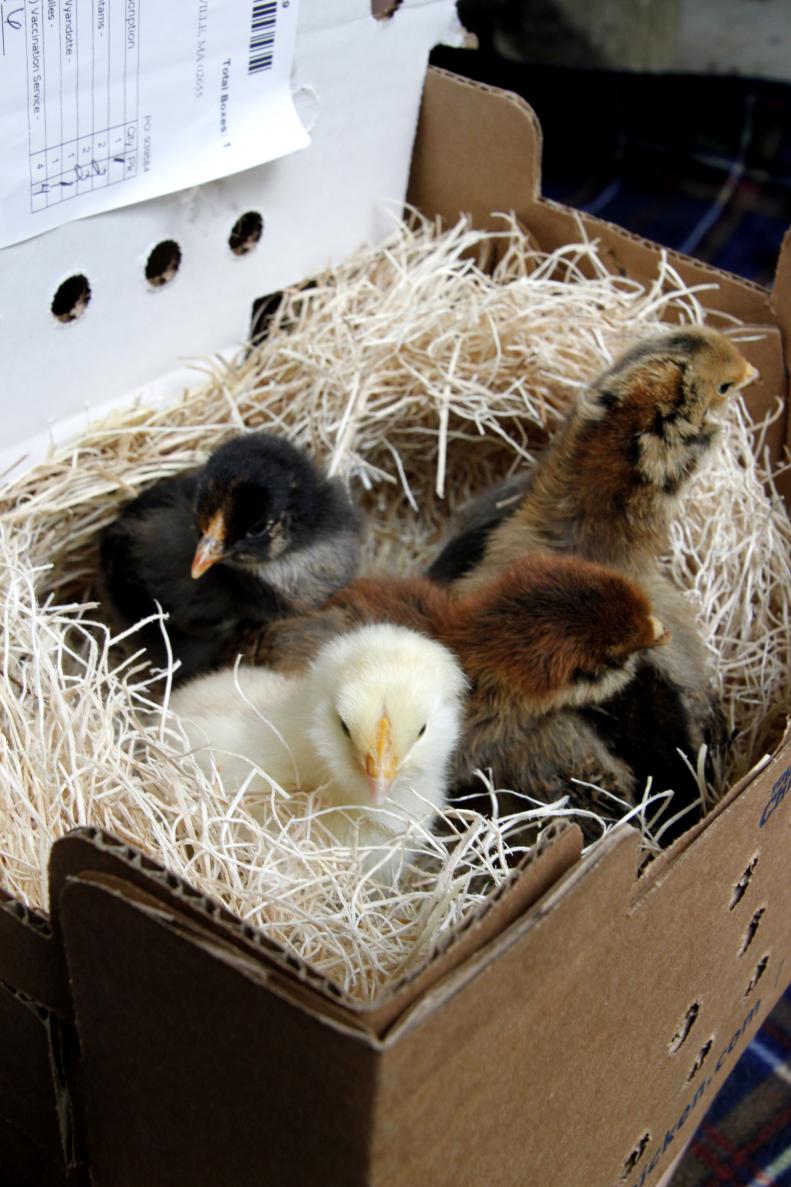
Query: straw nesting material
[420, 379]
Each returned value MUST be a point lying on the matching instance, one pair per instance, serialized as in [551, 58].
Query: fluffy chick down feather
[606, 488]
[544, 638]
[257, 532]
[372, 723]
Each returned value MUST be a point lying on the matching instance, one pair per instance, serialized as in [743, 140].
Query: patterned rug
[745, 1138]
[701, 164]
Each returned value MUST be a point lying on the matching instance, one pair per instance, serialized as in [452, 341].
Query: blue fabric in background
[702, 165]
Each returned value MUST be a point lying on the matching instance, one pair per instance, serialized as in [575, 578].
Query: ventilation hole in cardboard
[687, 1022]
[631, 1162]
[740, 888]
[261, 314]
[752, 928]
[71, 299]
[266, 309]
[163, 263]
[760, 969]
[700, 1059]
[245, 233]
[383, 9]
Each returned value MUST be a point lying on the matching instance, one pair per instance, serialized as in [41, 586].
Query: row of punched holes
[74, 294]
[691, 1016]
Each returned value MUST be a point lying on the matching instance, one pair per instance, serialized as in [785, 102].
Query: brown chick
[606, 488]
[547, 636]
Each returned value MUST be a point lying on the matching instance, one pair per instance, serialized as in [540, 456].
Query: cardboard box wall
[317, 205]
[575, 1037]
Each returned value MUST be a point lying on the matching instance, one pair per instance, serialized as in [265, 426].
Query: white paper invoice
[106, 102]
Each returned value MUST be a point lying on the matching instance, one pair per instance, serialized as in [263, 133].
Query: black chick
[255, 534]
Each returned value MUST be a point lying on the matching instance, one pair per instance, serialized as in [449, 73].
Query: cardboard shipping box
[571, 1036]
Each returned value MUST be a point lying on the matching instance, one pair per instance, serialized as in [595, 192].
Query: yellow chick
[373, 723]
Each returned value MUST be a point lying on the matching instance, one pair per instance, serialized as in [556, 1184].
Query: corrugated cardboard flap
[655, 872]
[90, 850]
[557, 851]
[94, 855]
[28, 1090]
[30, 960]
[478, 152]
[195, 1067]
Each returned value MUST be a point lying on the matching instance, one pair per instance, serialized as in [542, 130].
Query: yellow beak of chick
[749, 375]
[211, 546]
[381, 763]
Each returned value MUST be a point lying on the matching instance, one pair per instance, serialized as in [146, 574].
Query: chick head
[656, 402]
[257, 496]
[558, 630]
[385, 705]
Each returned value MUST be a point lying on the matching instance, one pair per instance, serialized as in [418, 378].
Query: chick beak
[750, 375]
[211, 547]
[661, 634]
[380, 763]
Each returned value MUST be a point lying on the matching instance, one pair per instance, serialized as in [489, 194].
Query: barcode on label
[262, 36]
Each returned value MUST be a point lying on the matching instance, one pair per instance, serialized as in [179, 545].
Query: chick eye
[422, 730]
[258, 529]
[724, 388]
[345, 727]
